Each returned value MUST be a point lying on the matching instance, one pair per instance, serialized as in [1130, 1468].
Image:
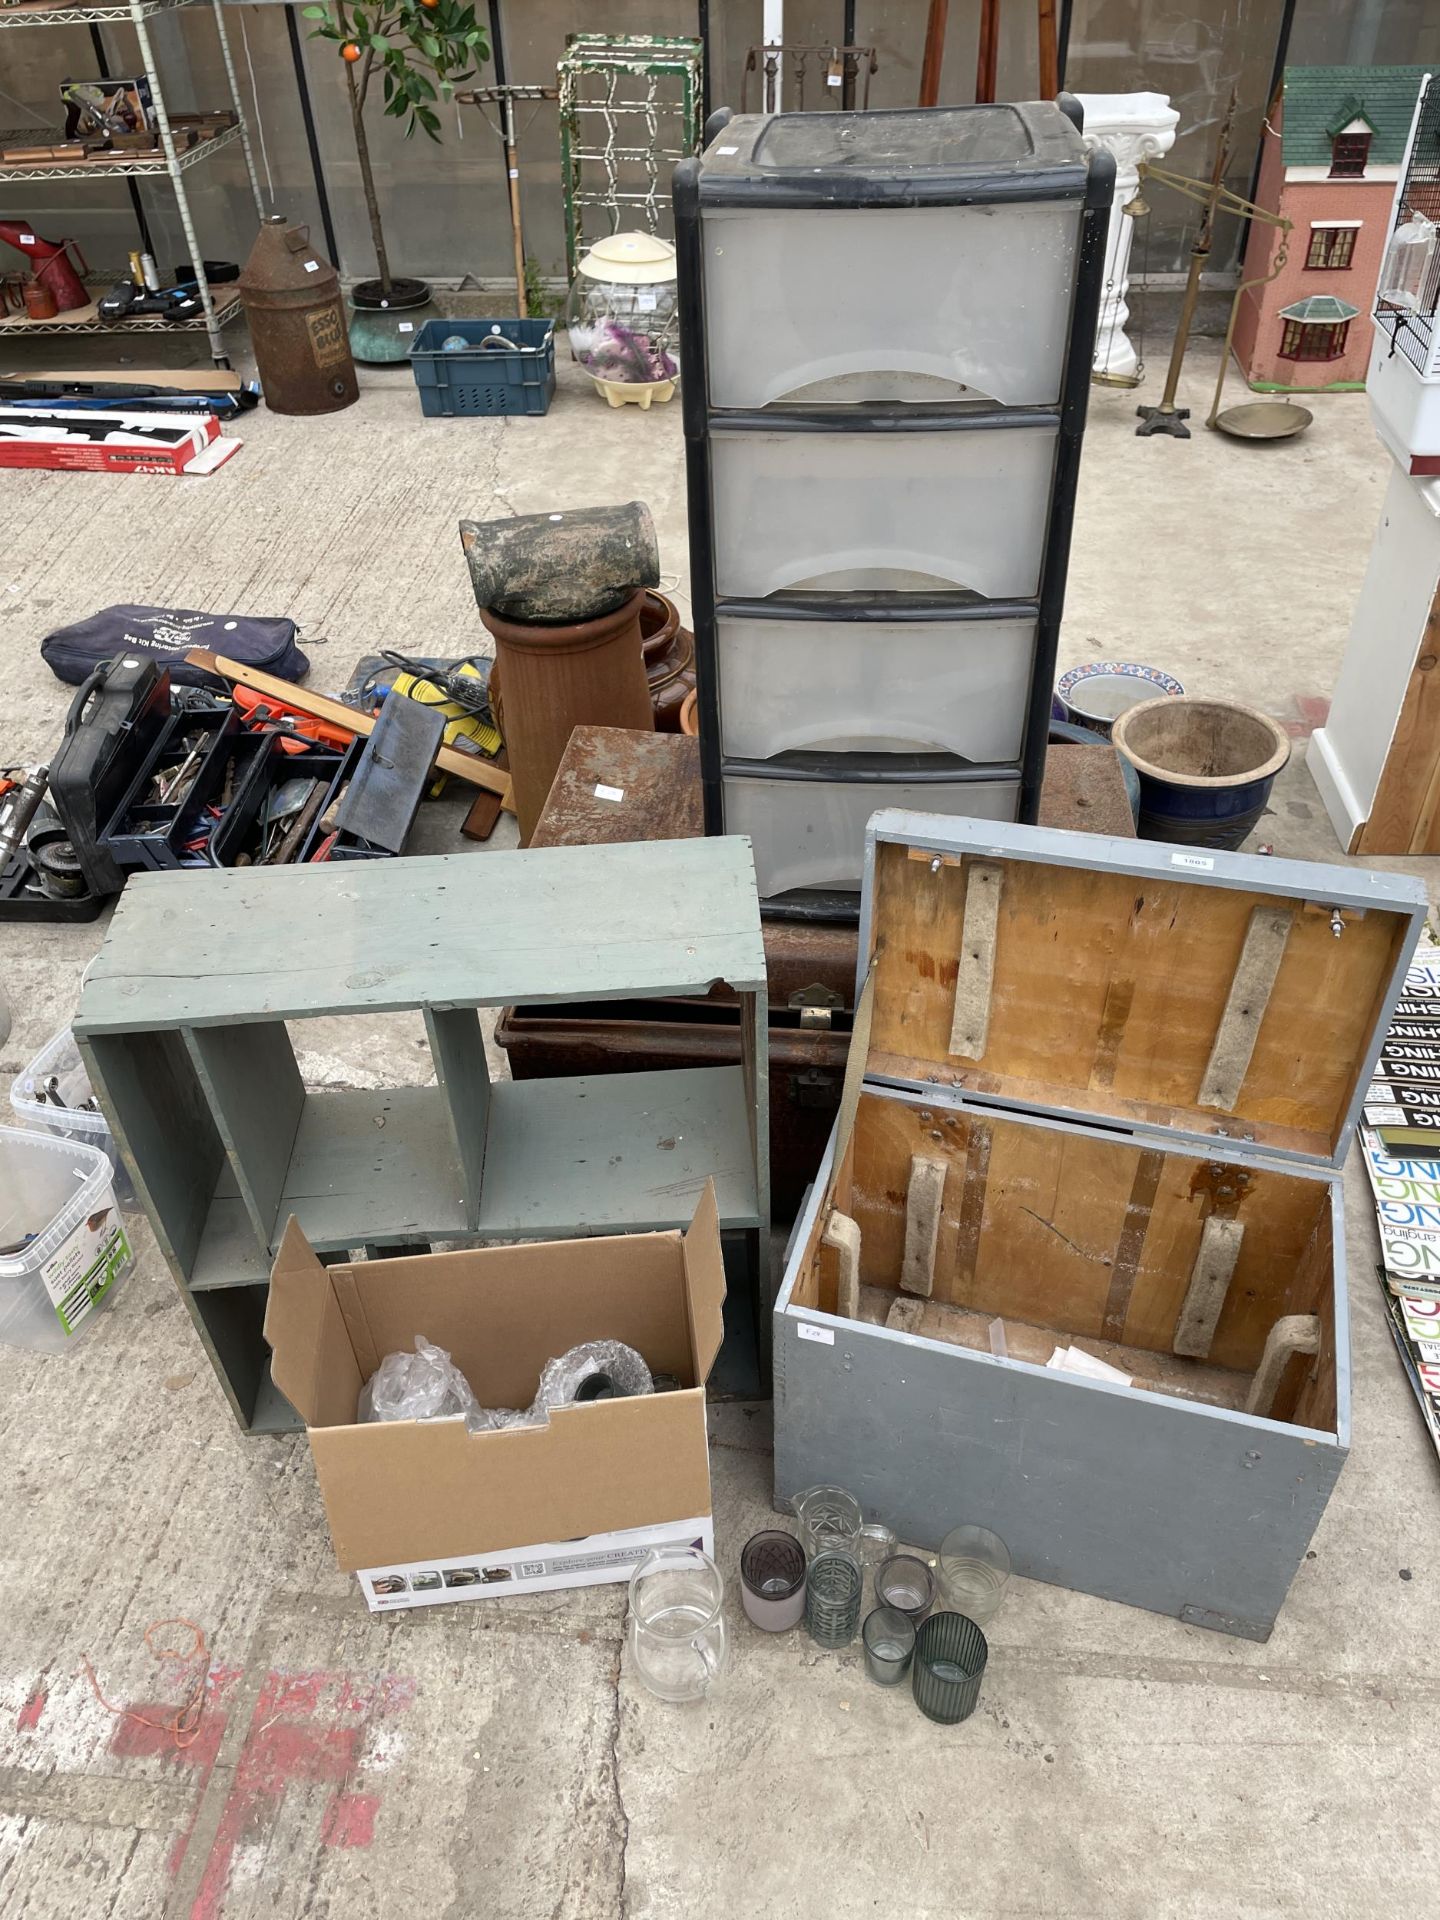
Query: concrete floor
[499, 1760]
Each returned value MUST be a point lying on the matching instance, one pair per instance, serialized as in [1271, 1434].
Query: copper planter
[669, 651]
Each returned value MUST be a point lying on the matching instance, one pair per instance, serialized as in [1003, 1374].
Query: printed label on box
[1198, 862]
[822, 1336]
[79, 1276]
[595, 1560]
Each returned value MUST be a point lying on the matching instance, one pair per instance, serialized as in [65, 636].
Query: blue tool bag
[167, 634]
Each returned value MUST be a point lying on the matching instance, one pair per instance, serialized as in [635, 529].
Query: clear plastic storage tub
[810, 832]
[59, 1061]
[878, 686]
[903, 303]
[63, 1249]
[888, 511]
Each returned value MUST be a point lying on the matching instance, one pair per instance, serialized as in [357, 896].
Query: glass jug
[677, 1629]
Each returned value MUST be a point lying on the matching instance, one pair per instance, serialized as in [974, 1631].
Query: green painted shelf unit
[183, 1024]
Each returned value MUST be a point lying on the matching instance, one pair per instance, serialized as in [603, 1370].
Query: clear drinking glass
[974, 1571]
[677, 1627]
[830, 1519]
[906, 1584]
[889, 1639]
[876, 1544]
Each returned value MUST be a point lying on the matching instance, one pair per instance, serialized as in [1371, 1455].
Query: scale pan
[1263, 420]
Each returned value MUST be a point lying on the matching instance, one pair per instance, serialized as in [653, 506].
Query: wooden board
[1156, 1372]
[1084, 790]
[616, 784]
[1405, 813]
[626, 1152]
[561, 923]
[1109, 990]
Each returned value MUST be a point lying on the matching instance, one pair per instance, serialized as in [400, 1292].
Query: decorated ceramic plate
[1097, 694]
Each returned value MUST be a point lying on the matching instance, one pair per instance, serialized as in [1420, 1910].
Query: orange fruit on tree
[349, 51]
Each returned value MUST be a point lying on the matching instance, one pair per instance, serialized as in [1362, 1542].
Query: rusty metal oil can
[297, 323]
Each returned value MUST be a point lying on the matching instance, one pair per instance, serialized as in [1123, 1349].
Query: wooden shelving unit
[184, 1022]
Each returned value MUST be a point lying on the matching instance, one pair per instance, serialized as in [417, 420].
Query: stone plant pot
[1206, 767]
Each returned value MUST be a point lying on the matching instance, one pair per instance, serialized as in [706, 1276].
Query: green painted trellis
[609, 83]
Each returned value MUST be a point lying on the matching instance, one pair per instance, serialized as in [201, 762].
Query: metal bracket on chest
[816, 1005]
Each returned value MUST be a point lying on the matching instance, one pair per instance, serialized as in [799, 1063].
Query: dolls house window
[1349, 150]
[1300, 341]
[1332, 248]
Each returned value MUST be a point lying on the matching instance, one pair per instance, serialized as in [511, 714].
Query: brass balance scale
[1253, 419]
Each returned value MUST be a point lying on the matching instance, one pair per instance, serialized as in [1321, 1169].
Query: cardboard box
[71, 439]
[414, 1504]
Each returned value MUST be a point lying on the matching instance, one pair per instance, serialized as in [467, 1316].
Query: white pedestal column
[1134, 127]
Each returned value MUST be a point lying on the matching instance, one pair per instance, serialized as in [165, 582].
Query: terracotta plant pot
[669, 654]
[1206, 767]
[559, 678]
[690, 715]
[669, 651]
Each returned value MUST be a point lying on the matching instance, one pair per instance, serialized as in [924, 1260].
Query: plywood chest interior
[1068, 1235]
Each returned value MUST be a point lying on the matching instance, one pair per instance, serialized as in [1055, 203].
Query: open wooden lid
[1218, 994]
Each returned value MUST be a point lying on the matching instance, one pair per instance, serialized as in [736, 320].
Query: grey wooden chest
[1100, 1093]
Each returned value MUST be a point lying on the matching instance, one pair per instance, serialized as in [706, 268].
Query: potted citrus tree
[418, 52]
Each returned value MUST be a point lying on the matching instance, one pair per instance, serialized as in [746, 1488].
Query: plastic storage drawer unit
[840, 503]
[807, 820]
[857, 257]
[911, 304]
[874, 685]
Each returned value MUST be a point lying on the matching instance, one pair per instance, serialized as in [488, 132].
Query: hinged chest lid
[1132, 984]
[908, 156]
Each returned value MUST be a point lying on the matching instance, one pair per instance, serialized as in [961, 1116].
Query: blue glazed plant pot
[1206, 767]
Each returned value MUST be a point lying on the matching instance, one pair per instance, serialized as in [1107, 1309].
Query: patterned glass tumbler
[833, 1586]
[772, 1580]
[829, 1518]
[949, 1664]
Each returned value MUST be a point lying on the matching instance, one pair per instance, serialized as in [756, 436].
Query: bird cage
[1404, 377]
